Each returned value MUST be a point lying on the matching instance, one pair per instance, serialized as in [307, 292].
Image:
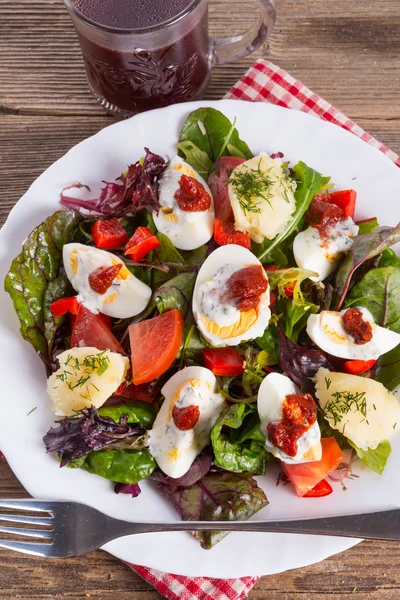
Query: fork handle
[383, 525]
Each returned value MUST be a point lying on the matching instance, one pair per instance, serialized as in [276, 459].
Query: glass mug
[132, 70]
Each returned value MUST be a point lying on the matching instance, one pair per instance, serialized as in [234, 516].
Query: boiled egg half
[187, 230]
[219, 320]
[175, 449]
[327, 332]
[271, 396]
[126, 297]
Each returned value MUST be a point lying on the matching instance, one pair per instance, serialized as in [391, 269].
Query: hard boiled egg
[322, 254]
[271, 395]
[360, 408]
[126, 297]
[86, 377]
[327, 332]
[262, 197]
[221, 322]
[175, 449]
[186, 230]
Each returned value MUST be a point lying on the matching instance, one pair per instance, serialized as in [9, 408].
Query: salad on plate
[210, 315]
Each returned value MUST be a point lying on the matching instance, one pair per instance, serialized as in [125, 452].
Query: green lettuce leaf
[121, 466]
[367, 226]
[138, 412]
[364, 247]
[309, 183]
[216, 497]
[379, 292]
[293, 318]
[293, 276]
[269, 344]
[389, 258]
[242, 447]
[175, 293]
[198, 159]
[211, 133]
[374, 459]
[387, 369]
[33, 280]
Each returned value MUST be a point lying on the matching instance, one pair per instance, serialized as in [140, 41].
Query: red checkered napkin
[263, 82]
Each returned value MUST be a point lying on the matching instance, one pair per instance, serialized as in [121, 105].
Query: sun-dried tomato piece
[101, 279]
[246, 286]
[299, 414]
[186, 418]
[354, 324]
[323, 215]
[192, 195]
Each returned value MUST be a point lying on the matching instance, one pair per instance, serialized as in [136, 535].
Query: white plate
[327, 148]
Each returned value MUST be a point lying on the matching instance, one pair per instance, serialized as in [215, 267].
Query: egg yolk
[246, 320]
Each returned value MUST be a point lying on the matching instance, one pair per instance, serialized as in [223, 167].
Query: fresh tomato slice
[344, 199]
[109, 234]
[141, 243]
[358, 367]
[218, 184]
[323, 488]
[101, 279]
[65, 305]
[305, 476]
[155, 344]
[90, 330]
[223, 361]
[225, 233]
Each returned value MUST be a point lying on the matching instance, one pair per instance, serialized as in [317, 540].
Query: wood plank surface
[346, 51]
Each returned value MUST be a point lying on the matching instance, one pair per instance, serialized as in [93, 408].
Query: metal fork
[73, 529]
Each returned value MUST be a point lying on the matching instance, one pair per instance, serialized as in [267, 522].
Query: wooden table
[348, 52]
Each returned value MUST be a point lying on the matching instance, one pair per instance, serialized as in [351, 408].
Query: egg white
[126, 297]
[186, 230]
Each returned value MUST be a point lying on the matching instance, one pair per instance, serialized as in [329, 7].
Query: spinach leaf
[31, 273]
[121, 466]
[389, 258]
[216, 497]
[212, 133]
[56, 289]
[176, 261]
[364, 247]
[142, 413]
[309, 183]
[374, 459]
[387, 369]
[198, 159]
[244, 451]
[367, 226]
[293, 317]
[269, 343]
[379, 292]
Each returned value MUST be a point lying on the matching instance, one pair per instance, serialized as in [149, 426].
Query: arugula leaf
[142, 413]
[121, 466]
[367, 226]
[364, 247]
[379, 292]
[212, 133]
[293, 317]
[269, 343]
[291, 277]
[32, 272]
[389, 258]
[387, 369]
[309, 183]
[245, 453]
[198, 159]
[374, 459]
[216, 497]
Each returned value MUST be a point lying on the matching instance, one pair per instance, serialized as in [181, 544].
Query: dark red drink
[142, 54]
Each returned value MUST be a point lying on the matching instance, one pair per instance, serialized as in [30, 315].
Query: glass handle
[230, 49]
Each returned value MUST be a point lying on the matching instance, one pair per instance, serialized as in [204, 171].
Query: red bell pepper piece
[358, 367]
[65, 305]
[223, 361]
[109, 234]
[141, 243]
[323, 488]
[225, 233]
[344, 199]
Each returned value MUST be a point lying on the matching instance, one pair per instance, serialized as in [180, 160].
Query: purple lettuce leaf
[134, 190]
[216, 497]
[301, 363]
[197, 471]
[77, 436]
[132, 489]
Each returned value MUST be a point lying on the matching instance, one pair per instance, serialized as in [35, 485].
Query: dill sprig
[250, 184]
[344, 402]
[92, 363]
